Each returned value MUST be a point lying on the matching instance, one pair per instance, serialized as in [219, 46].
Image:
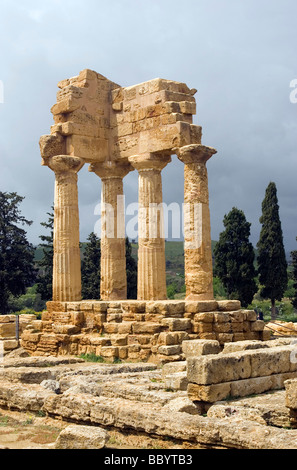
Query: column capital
[149, 161]
[111, 169]
[194, 153]
[63, 163]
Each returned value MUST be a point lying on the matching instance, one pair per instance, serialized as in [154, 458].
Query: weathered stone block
[238, 336]
[151, 328]
[250, 315]
[213, 369]
[77, 318]
[176, 381]
[224, 337]
[243, 346]
[208, 393]
[7, 330]
[201, 327]
[257, 325]
[109, 351]
[201, 306]
[56, 306]
[291, 393]
[270, 361]
[119, 340]
[9, 344]
[125, 328]
[111, 328]
[173, 367]
[222, 327]
[169, 350]
[200, 347]
[229, 305]
[237, 328]
[205, 317]
[81, 437]
[167, 338]
[221, 317]
[177, 324]
[65, 329]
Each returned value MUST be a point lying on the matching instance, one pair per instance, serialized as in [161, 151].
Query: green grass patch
[91, 358]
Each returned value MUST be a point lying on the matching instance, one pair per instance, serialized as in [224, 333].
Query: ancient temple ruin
[117, 130]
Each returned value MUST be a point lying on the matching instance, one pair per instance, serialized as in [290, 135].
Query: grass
[92, 358]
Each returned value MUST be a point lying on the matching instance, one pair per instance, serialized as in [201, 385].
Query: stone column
[151, 284]
[197, 236]
[113, 284]
[66, 262]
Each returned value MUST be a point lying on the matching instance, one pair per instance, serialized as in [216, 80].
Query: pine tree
[234, 258]
[90, 270]
[131, 269]
[294, 276]
[272, 264]
[45, 276]
[17, 270]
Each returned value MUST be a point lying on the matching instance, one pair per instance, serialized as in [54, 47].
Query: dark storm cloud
[241, 56]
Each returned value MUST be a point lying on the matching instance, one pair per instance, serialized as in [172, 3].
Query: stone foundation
[138, 330]
[8, 330]
[238, 374]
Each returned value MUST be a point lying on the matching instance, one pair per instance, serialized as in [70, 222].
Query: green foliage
[17, 270]
[284, 309]
[272, 264]
[90, 269]
[234, 258]
[31, 300]
[91, 357]
[131, 270]
[171, 291]
[219, 290]
[45, 264]
[293, 280]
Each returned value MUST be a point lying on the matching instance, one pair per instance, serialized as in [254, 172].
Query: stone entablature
[138, 330]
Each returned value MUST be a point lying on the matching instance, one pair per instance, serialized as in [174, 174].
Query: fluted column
[113, 284]
[151, 283]
[197, 233]
[66, 262]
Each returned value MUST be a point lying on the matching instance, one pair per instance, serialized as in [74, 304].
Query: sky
[239, 54]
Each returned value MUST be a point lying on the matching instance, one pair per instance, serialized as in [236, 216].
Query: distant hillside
[174, 253]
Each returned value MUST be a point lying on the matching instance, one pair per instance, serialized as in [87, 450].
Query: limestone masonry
[117, 130]
[138, 330]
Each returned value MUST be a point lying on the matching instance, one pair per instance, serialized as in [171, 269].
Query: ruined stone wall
[138, 330]
[8, 329]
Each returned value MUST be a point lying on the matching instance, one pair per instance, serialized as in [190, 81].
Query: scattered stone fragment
[82, 437]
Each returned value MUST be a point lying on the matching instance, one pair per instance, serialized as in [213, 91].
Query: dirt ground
[30, 431]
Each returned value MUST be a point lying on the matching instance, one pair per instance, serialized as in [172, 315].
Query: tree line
[241, 272]
[236, 264]
[19, 270]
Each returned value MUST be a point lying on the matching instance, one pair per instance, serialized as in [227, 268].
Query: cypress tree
[45, 277]
[234, 258]
[90, 269]
[272, 264]
[294, 276]
[131, 270]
